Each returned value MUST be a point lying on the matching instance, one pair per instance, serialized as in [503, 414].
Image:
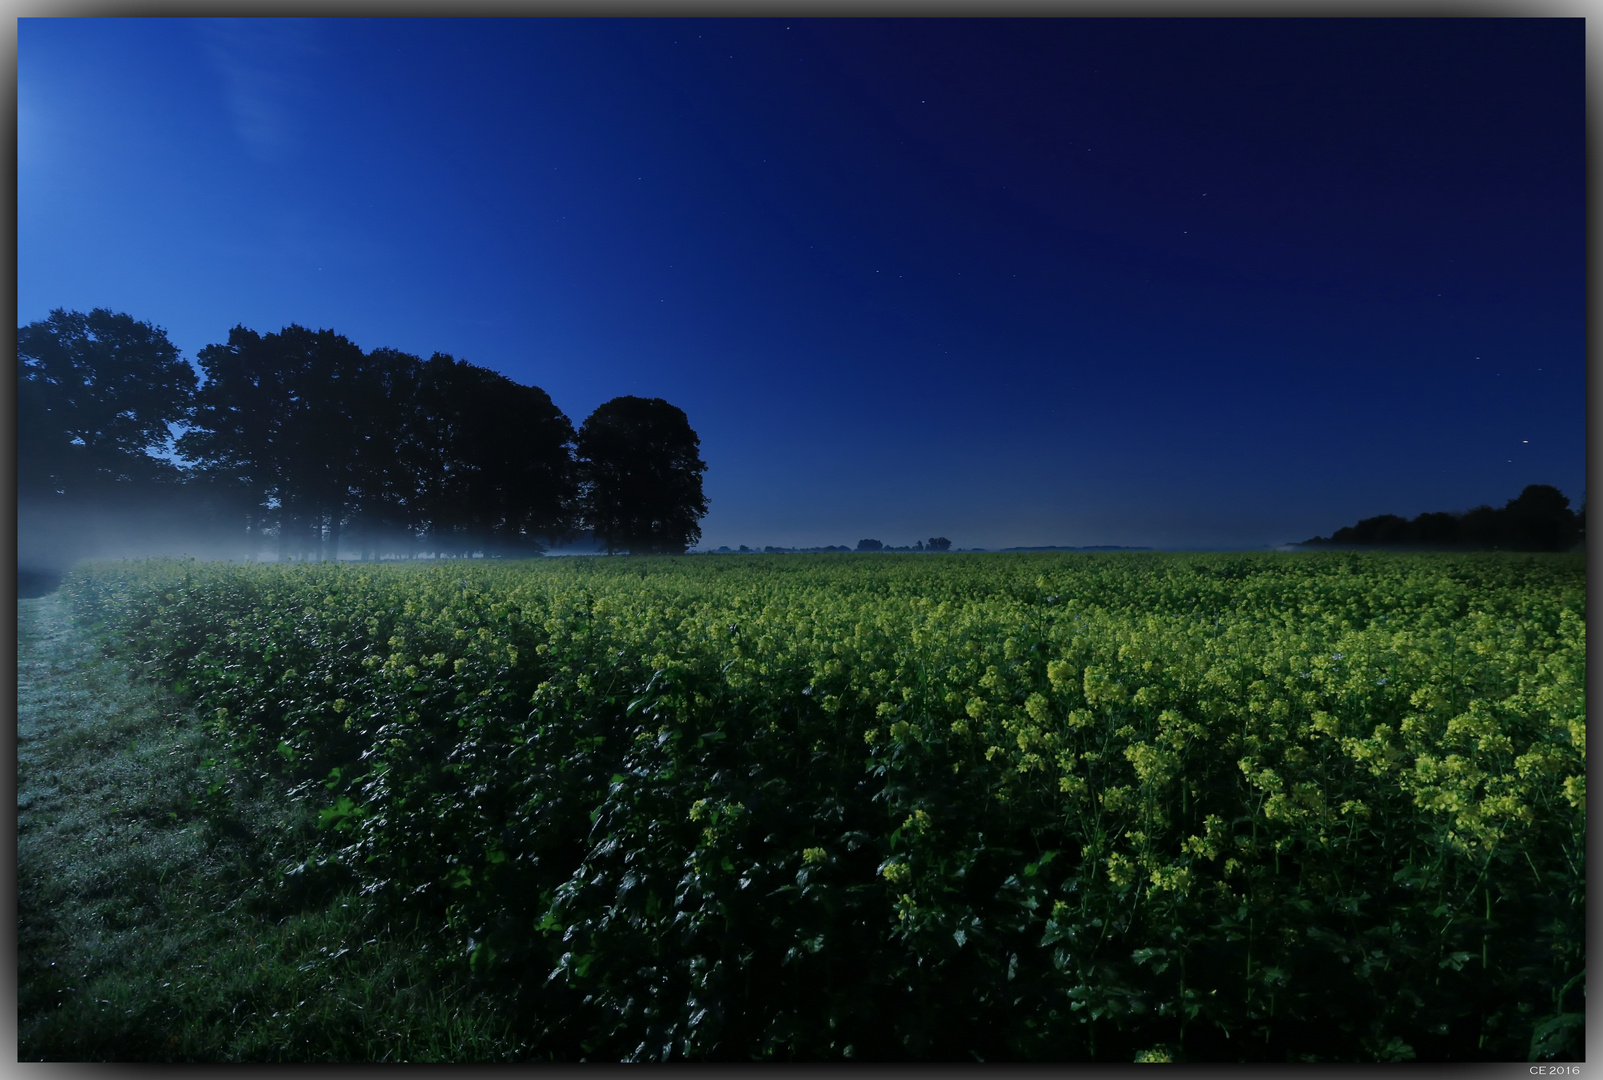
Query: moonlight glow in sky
[1144, 282]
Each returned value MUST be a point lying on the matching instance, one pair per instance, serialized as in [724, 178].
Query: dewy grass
[142, 929]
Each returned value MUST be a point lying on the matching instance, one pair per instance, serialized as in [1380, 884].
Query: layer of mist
[52, 539]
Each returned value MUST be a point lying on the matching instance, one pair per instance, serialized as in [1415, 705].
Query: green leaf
[341, 810]
[1397, 1050]
[481, 956]
[1158, 958]
[1557, 1034]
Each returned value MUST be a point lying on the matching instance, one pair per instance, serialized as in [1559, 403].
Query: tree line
[936, 543]
[306, 445]
[1538, 519]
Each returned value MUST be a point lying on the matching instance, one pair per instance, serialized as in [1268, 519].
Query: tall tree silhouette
[497, 473]
[392, 458]
[1540, 519]
[640, 465]
[96, 394]
[285, 416]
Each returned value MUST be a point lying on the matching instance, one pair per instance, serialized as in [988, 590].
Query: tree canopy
[496, 468]
[641, 469]
[97, 396]
[283, 417]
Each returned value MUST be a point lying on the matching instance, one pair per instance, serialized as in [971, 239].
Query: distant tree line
[1539, 519]
[308, 445]
[936, 543]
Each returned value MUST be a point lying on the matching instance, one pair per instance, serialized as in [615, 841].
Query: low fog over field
[50, 539]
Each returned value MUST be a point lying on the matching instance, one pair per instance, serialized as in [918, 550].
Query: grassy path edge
[143, 929]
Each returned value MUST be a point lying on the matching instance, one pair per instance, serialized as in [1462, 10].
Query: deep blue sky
[1079, 281]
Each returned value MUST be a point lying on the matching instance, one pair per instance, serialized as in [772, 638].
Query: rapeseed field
[1281, 806]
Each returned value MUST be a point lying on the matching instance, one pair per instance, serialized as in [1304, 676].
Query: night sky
[1157, 282]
